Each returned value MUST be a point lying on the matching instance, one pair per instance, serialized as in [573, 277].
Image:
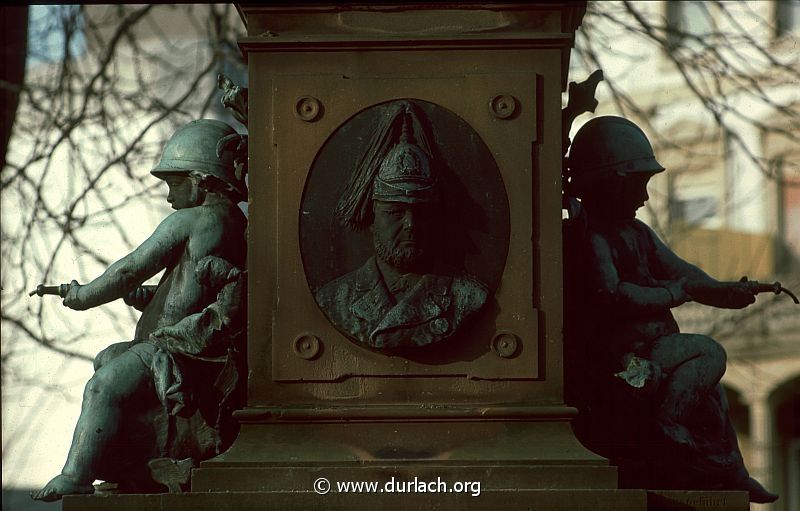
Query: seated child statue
[169, 393]
[650, 396]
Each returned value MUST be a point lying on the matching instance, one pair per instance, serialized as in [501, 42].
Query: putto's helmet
[405, 173]
[192, 150]
[609, 146]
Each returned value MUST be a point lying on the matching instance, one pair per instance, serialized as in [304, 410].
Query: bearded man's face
[402, 233]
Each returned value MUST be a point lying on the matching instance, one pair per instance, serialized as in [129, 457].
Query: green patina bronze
[650, 395]
[168, 393]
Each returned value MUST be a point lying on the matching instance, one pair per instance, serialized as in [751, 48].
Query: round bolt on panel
[503, 106]
[505, 344]
[308, 108]
[307, 346]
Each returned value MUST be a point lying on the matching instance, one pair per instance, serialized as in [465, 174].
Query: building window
[686, 22]
[787, 17]
[695, 211]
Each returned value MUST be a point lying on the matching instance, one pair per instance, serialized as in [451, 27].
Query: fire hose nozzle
[41, 290]
[775, 288]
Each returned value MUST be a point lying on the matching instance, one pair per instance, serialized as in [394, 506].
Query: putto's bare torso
[218, 230]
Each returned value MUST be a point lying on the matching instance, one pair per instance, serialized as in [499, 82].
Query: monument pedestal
[509, 449]
[481, 88]
[520, 500]
[512, 500]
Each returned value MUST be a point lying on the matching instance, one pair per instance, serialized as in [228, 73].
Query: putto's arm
[699, 285]
[612, 292]
[126, 274]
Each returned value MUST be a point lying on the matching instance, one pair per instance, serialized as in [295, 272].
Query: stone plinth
[521, 499]
[573, 500]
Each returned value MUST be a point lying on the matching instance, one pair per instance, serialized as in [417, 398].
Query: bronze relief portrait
[399, 247]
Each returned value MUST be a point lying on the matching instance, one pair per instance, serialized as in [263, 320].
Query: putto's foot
[59, 486]
[677, 433]
[758, 494]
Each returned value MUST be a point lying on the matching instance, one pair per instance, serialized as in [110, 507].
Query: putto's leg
[104, 400]
[757, 493]
[695, 364]
[741, 478]
[110, 353]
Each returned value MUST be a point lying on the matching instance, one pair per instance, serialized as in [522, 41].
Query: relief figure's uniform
[360, 304]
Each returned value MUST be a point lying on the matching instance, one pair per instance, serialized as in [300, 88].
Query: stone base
[674, 500]
[532, 452]
[496, 478]
[539, 500]
[527, 461]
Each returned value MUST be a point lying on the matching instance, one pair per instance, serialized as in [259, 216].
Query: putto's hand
[775, 287]
[138, 298]
[677, 289]
[134, 297]
[741, 294]
[71, 299]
